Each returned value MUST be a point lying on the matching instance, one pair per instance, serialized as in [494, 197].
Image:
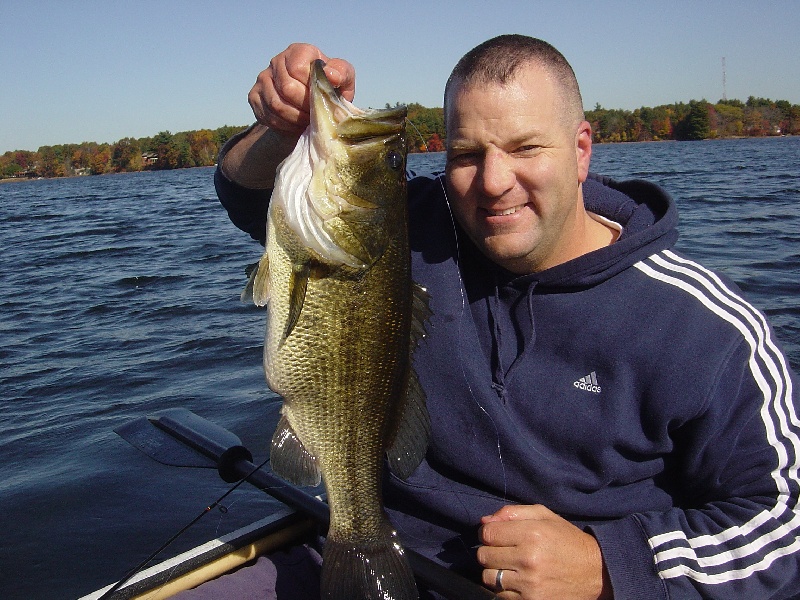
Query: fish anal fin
[413, 431]
[290, 459]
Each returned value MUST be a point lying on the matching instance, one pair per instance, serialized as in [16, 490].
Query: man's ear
[583, 149]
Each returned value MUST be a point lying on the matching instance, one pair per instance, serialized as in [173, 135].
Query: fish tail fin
[376, 570]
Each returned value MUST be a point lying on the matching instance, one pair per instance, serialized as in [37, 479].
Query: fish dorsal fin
[290, 459]
[413, 431]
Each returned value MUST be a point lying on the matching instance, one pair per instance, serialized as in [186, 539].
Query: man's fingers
[513, 529]
[280, 98]
[342, 76]
[520, 512]
[496, 557]
[499, 580]
[269, 109]
[497, 534]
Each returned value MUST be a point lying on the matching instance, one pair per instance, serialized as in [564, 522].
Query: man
[609, 418]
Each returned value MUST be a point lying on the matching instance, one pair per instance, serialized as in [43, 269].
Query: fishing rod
[178, 437]
[218, 502]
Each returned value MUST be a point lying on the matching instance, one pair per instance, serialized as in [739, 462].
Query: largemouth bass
[343, 319]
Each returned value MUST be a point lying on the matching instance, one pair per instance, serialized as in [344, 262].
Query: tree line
[695, 120]
[165, 150]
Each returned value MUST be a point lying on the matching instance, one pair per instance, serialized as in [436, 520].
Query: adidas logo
[588, 383]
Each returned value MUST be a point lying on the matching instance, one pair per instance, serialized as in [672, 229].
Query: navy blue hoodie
[630, 390]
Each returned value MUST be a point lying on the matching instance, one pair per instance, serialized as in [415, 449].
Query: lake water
[120, 297]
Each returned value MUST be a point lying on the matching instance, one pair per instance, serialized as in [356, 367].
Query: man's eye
[463, 158]
[527, 149]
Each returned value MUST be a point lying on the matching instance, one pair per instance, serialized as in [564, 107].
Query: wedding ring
[498, 581]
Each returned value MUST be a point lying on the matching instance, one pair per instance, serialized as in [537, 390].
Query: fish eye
[395, 160]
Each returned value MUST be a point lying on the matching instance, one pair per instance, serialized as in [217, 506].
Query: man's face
[514, 168]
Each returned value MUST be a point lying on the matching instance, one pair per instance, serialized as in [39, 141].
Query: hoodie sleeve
[247, 208]
[733, 532]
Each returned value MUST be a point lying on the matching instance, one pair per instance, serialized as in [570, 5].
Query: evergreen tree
[696, 125]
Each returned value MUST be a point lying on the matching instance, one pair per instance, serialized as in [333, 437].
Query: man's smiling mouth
[504, 212]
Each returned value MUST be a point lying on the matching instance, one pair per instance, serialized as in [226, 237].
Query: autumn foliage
[426, 133]
[696, 120]
[162, 151]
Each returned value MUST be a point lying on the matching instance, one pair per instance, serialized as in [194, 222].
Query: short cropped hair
[499, 59]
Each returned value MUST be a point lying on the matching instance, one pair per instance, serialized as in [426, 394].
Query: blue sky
[74, 71]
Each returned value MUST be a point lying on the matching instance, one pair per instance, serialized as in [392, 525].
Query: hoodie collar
[649, 220]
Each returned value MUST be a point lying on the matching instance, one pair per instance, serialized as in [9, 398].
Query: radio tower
[724, 90]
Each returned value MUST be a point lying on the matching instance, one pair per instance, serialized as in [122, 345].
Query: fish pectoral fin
[257, 288]
[413, 431]
[365, 250]
[247, 293]
[298, 284]
[290, 459]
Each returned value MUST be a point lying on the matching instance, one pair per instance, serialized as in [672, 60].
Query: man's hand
[280, 96]
[542, 556]
[280, 103]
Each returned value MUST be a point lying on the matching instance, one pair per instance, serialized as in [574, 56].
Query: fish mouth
[343, 140]
[341, 120]
[340, 188]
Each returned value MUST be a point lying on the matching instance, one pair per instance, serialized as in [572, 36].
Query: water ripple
[120, 297]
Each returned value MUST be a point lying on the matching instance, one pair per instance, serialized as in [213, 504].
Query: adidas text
[588, 383]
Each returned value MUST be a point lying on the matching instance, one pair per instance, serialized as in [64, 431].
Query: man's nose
[496, 172]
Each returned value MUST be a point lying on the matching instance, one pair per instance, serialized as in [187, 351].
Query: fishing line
[440, 177]
[419, 133]
[461, 347]
[223, 510]
[165, 545]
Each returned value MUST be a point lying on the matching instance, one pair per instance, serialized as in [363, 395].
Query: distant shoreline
[697, 120]
[743, 137]
[13, 179]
